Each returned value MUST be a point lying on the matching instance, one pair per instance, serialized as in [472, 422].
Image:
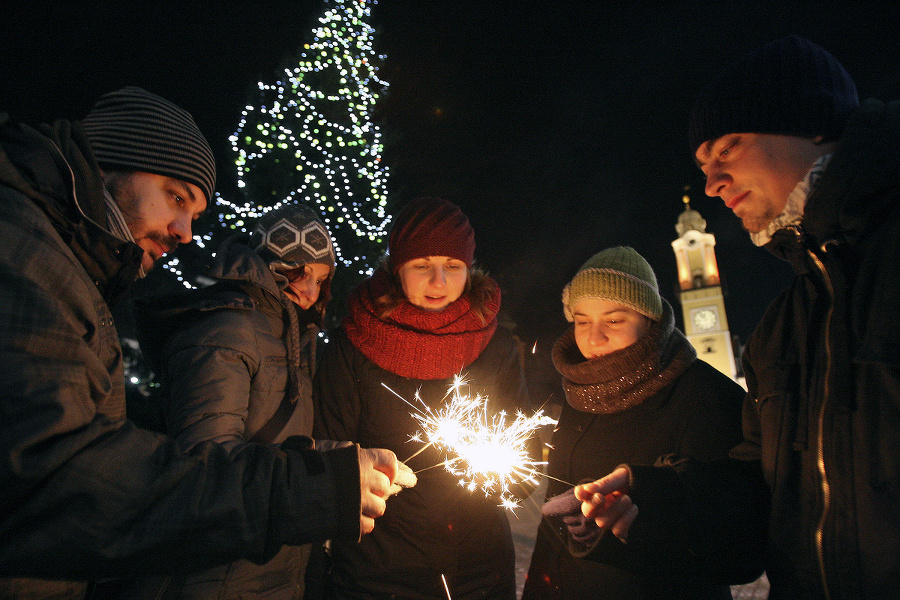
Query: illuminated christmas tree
[310, 138]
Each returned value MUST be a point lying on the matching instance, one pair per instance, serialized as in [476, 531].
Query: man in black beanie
[85, 208]
[815, 179]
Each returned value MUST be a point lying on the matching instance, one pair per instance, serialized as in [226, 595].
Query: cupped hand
[608, 503]
[377, 470]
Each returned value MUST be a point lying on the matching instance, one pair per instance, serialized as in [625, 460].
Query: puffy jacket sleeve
[211, 368]
[86, 494]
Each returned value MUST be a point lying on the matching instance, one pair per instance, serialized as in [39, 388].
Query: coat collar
[859, 185]
[56, 169]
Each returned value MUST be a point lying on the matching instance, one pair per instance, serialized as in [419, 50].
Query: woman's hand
[608, 503]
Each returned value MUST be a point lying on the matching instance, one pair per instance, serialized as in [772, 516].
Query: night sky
[559, 127]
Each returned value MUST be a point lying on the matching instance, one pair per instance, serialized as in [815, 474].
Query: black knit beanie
[790, 86]
[292, 236]
[134, 130]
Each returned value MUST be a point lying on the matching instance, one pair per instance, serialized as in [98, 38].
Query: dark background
[559, 127]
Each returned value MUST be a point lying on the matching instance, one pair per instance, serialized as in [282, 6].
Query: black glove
[567, 508]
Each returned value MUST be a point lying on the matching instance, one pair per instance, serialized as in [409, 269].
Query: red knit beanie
[430, 227]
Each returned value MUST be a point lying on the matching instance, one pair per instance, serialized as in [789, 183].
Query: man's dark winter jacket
[823, 371]
[84, 493]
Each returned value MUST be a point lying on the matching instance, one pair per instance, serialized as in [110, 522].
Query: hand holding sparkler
[378, 469]
[567, 508]
[405, 478]
[607, 502]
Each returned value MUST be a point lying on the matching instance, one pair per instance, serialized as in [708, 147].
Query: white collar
[796, 203]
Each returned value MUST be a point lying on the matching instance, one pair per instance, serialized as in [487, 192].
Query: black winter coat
[823, 371]
[222, 355]
[83, 492]
[698, 415]
[823, 368]
[437, 527]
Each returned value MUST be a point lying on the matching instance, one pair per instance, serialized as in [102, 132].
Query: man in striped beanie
[85, 207]
[158, 169]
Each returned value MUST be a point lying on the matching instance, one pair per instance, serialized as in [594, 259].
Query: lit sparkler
[485, 451]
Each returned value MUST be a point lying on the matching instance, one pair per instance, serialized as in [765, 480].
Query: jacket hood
[236, 262]
[235, 267]
[31, 164]
[862, 180]
[245, 283]
[55, 167]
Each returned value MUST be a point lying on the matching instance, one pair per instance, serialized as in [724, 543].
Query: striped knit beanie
[430, 227]
[790, 86]
[292, 236]
[619, 274]
[133, 130]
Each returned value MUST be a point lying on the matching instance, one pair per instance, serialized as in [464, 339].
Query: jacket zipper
[820, 441]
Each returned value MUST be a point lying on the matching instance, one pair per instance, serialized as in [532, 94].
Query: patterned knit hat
[788, 87]
[430, 227]
[292, 236]
[132, 129]
[619, 274]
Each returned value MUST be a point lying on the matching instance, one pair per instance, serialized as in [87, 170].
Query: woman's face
[604, 326]
[433, 282]
[305, 283]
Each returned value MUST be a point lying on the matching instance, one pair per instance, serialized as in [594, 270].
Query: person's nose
[438, 277]
[598, 335]
[306, 285]
[180, 228]
[717, 181]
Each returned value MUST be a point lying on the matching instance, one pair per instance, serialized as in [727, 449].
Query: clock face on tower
[705, 319]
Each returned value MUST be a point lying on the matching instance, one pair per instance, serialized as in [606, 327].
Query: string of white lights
[311, 139]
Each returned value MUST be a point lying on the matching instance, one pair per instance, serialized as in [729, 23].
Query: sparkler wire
[446, 588]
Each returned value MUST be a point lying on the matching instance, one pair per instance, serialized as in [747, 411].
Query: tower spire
[702, 302]
[689, 219]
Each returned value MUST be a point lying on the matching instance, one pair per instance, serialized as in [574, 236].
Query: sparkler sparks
[485, 451]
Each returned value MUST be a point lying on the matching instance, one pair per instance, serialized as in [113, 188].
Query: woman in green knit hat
[635, 392]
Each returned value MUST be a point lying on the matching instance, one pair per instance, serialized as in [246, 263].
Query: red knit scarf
[417, 343]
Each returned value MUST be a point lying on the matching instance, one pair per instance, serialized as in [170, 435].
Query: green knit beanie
[619, 274]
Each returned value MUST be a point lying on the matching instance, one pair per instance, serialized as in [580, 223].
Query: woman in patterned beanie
[635, 392]
[425, 316]
[236, 361]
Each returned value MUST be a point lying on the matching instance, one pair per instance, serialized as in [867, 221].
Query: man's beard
[119, 187]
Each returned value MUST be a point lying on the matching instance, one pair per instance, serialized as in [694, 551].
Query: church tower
[702, 303]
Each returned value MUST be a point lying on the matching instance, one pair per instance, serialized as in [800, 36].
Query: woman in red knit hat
[425, 316]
